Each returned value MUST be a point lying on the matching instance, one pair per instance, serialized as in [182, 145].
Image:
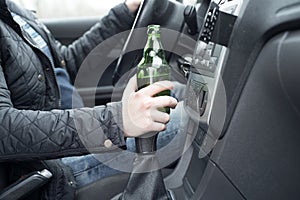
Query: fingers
[140, 109]
[157, 127]
[161, 117]
[164, 101]
[157, 87]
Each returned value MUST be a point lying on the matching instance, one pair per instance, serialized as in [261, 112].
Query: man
[34, 128]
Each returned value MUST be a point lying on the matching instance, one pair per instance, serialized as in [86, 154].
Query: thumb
[130, 87]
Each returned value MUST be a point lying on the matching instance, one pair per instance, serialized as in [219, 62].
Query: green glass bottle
[154, 67]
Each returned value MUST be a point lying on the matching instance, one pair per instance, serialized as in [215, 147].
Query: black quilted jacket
[30, 128]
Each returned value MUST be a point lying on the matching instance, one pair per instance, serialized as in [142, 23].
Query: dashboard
[205, 100]
[206, 74]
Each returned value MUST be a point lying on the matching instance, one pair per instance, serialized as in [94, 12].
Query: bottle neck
[153, 48]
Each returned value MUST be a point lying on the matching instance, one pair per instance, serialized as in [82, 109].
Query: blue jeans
[90, 168]
[69, 95]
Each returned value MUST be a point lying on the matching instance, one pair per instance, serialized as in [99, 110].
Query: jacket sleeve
[118, 20]
[28, 134]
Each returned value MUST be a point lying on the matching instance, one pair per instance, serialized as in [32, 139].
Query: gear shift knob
[146, 145]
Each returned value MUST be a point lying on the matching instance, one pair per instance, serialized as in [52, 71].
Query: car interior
[238, 60]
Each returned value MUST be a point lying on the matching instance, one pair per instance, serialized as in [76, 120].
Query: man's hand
[133, 5]
[140, 114]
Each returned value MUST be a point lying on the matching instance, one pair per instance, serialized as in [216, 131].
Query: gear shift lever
[146, 180]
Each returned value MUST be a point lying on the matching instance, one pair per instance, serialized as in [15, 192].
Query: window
[68, 8]
[72, 8]
[191, 2]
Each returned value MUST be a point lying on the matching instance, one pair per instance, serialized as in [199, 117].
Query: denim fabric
[70, 98]
[90, 168]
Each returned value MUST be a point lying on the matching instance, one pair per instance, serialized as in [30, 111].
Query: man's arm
[29, 134]
[38, 135]
[119, 19]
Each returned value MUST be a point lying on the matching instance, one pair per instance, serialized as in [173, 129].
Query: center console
[205, 101]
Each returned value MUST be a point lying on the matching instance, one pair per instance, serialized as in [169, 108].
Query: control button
[108, 143]
[202, 100]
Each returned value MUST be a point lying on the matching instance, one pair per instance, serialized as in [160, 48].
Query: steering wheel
[150, 11]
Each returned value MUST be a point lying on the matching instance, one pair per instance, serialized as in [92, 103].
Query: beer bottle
[154, 67]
